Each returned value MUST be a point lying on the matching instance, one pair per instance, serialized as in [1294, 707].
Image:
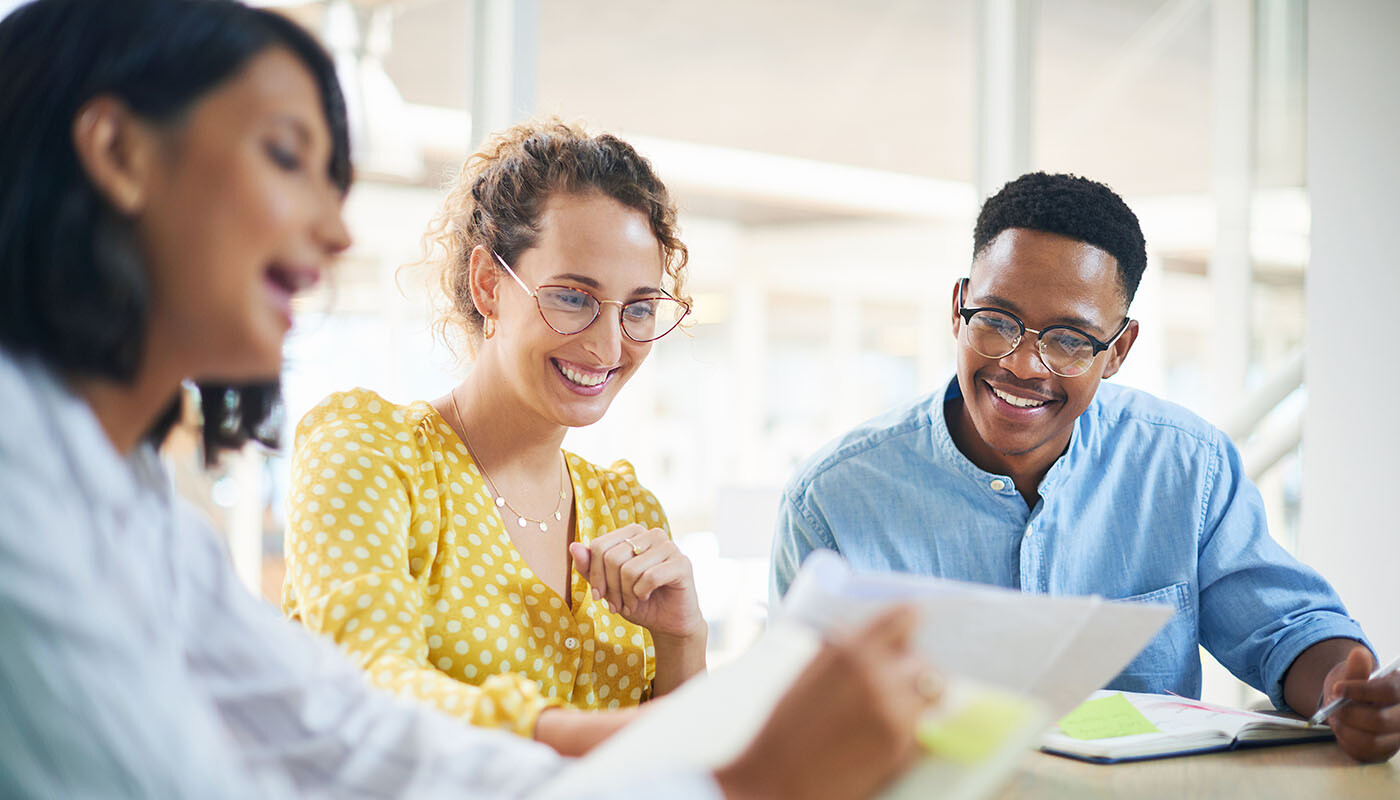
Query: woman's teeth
[1019, 402]
[581, 377]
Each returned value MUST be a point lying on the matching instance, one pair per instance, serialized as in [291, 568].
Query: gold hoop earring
[488, 327]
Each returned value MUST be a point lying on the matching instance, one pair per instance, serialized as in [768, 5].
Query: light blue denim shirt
[1149, 503]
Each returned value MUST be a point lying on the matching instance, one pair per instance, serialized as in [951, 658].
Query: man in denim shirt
[1024, 472]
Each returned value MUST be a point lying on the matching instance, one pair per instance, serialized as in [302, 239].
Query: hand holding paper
[1036, 653]
[863, 689]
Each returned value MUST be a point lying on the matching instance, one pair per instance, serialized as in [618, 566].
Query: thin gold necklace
[500, 499]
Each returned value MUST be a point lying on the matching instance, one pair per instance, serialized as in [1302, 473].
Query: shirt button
[998, 484]
[571, 643]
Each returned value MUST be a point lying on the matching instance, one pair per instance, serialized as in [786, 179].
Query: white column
[935, 344]
[843, 346]
[359, 37]
[1005, 39]
[1351, 435]
[749, 354]
[505, 64]
[1232, 160]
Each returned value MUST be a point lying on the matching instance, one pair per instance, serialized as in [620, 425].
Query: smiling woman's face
[586, 241]
[239, 213]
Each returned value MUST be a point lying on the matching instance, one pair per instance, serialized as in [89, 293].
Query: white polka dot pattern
[395, 550]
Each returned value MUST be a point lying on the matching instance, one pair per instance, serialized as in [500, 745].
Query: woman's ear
[117, 150]
[485, 280]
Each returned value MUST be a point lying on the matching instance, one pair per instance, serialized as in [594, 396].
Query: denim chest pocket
[1169, 656]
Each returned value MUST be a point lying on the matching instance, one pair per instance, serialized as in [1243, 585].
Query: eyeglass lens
[569, 311]
[994, 335]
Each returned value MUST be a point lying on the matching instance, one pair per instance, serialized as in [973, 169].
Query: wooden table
[1317, 771]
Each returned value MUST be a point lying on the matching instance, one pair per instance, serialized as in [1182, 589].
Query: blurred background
[828, 158]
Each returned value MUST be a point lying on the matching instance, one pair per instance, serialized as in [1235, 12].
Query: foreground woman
[171, 173]
[433, 540]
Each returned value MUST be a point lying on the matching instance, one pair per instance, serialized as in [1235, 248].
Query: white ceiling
[1122, 86]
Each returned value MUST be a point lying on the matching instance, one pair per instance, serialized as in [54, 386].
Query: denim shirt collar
[943, 443]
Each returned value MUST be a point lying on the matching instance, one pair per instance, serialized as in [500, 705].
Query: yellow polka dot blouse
[396, 551]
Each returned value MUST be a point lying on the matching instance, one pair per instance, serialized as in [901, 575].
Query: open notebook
[1130, 726]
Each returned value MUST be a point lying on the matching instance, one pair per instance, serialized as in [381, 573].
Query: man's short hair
[1072, 206]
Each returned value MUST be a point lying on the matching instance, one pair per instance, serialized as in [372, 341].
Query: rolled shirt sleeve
[1260, 608]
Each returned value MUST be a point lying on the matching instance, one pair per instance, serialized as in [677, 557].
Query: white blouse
[133, 664]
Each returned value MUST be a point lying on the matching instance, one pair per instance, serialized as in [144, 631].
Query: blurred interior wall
[1352, 434]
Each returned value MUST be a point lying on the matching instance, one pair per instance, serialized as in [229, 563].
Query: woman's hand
[846, 725]
[575, 732]
[642, 575]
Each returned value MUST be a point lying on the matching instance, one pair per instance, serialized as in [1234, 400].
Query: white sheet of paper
[1055, 648]
[708, 721]
[701, 725]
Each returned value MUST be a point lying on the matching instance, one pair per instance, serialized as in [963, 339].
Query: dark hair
[1071, 206]
[501, 191]
[73, 290]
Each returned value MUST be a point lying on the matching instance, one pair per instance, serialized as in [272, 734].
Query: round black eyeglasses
[1064, 349]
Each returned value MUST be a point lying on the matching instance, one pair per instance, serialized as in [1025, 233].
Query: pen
[1326, 711]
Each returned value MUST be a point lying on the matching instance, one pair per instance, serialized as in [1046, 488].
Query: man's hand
[1368, 726]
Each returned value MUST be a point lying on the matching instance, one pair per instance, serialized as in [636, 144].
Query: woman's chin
[578, 412]
[577, 418]
[247, 366]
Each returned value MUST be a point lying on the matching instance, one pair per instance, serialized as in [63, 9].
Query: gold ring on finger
[636, 550]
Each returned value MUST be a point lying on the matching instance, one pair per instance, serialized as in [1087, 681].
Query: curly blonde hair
[501, 190]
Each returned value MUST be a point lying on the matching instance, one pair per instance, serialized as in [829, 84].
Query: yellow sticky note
[1106, 718]
[977, 728]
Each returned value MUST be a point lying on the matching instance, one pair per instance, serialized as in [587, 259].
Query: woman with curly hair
[451, 546]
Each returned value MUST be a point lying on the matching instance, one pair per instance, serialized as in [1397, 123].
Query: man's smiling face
[1016, 413]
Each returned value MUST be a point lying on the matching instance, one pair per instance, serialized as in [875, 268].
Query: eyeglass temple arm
[511, 272]
[531, 292]
[1115, 336]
